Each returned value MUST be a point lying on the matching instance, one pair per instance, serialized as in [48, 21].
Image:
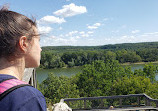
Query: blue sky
[91, 22]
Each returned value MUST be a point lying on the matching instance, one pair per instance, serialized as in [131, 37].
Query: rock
[61, 106]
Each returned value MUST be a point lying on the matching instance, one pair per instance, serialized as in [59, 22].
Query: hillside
[126, 46]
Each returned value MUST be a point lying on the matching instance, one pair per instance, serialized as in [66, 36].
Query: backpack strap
[9, 85]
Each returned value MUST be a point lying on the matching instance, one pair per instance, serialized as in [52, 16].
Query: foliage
[96, 78]
[133, 85]
[127, 56]
[150, 71]
[69, 56]
[56, 88]
[101, 78]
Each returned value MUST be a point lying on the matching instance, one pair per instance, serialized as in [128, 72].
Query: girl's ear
[23, 44]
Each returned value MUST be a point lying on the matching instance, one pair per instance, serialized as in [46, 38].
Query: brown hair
[12, 26]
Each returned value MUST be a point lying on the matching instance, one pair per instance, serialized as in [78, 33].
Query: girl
[19, 49]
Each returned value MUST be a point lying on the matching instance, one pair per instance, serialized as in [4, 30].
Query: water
[42, 74]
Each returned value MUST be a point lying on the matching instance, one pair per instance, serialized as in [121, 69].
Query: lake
[42, 74]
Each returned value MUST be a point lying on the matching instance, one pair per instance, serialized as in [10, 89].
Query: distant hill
[131, 46]
[69, 56]
[126, 46]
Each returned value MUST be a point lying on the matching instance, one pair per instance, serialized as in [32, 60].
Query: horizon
[91, 23]
[100, 45]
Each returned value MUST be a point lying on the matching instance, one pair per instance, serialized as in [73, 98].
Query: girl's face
[33, 56]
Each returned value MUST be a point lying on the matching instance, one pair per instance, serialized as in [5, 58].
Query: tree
[150, 71]
[55, 88]
[96, 78]
[139, 72]
[133, 85]
[109, 55]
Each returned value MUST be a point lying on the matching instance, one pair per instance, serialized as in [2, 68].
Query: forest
[101, 78]
[70, 56]
[102, 73]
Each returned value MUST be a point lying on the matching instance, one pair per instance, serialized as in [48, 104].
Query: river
[42, 74]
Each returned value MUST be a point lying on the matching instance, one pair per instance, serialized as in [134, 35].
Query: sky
[91, 22]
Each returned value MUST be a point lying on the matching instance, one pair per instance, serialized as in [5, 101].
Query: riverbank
[42, 74]
[128, 63]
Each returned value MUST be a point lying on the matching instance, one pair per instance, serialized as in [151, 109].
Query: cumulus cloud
[86, 34]
[51, 19]
[82, 32]
[94, 26]
[58, 41]
[153, 33]
[150, 36]
[135, 31]
[90, 32]
[72, 33]
[80, 38]
[146, 37]
[78, 34]
[44, 29]
[70, 10]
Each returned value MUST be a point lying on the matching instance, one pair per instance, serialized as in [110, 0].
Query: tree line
[51, 59]
[101, 78]
[126, 46]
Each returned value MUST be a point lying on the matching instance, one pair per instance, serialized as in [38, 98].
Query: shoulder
[27, 91]
[25, 97]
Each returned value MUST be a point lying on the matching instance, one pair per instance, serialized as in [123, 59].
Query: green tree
[55, 88]
[133, 85]
[109, 55]
[139, 72]
[150, 71]
[152, 91]
[96, 78]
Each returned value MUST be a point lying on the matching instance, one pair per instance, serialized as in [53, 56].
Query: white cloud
[90, 32]
[77, 37]
[83, 38]
[97, 24]
[44, 29]
[150, 35]
[51, 19]
[153, 33]
[72, 33]
[135, 31]
[58, 41]
[78, 34]
[82, 32]
[60, 28]
[94, 26]
[146, 37]
[85, 35]
[70, 10]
